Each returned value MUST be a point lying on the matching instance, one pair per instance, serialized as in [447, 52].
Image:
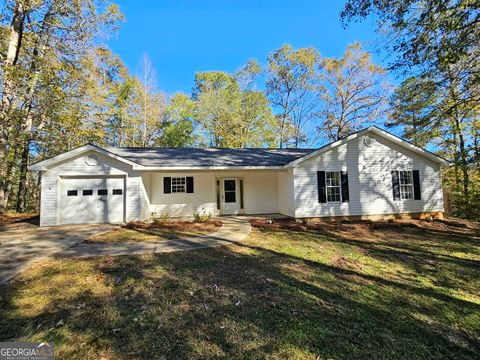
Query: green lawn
[335, 291]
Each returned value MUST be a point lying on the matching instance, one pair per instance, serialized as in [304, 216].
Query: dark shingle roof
[187, 157]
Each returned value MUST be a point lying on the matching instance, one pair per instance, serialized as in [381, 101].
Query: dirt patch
[347, 263]
[367, 229]
[145, 231]
[12, 218]
[284, 224]
[210, 225]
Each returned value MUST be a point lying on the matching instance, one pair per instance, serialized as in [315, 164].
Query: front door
[230, 198]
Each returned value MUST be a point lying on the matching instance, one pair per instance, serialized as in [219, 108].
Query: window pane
[230, 196]
[229, 185]
[178, 184]
[333, 178]
[333, 194]
[87, 192]
[72, 192]
[117, 192]
[333, 186]
[102, 192]
[406, 192]
[218, 195]
[406, 177]
[241, 194]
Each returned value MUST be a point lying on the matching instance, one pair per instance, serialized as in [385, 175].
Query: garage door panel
[92, 200]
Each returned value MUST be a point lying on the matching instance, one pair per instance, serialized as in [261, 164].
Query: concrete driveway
[22, 244]
[234, 229]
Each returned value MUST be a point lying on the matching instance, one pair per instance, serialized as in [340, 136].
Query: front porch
[181, 194]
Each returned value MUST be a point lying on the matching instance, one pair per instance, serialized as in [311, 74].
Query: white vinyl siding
[286, 198]
[182, 203]
[260, 192]
[370, 181]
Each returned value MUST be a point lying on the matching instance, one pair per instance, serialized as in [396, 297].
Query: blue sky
[183, 37]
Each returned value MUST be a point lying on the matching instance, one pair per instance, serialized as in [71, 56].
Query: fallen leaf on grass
[60, 323]
[108, 261]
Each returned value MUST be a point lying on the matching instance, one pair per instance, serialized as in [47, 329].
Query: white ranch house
[368, 174]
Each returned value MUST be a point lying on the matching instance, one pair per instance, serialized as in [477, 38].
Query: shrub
[201, 216]
[160, 218]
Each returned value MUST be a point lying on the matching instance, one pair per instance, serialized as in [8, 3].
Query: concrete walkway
[22, 244]
[233, 229]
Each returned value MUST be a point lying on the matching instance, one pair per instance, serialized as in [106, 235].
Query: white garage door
[92, 200]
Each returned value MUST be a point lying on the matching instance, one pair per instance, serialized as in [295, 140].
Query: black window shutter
[322, 192]
[345, 194]
[167, 185]
[189, 184]
[417, 193]
[395, 185]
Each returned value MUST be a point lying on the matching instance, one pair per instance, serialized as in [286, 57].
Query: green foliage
[435, 34]
[179, 123]
[232, 116]
[43, 84]
[412, 108]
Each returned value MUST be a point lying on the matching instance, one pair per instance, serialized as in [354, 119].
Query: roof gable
[380, 132]
[53, 161]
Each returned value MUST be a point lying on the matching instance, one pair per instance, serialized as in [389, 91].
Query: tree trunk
[282, 130]
[22, 181]
[463, 153]
[38, 192]
[6, 181]
[456, 162]
[14, 45]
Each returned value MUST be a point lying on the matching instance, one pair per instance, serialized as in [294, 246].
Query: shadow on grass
[245, 301]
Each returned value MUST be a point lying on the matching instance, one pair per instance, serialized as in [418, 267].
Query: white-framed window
[334, 190]
[406, 185]
[178, 184]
